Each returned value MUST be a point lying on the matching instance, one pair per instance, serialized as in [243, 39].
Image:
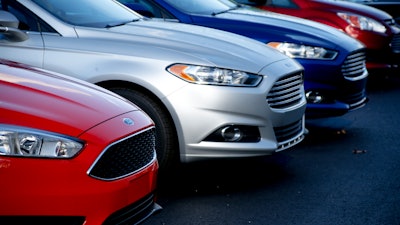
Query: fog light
[314, 97]
[235, 133]
[231, 133]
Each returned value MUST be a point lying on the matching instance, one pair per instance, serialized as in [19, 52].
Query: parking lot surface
[346, 171]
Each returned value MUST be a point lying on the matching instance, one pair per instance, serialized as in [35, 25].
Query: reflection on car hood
[42, 100]
[300, 30]
[176, 42]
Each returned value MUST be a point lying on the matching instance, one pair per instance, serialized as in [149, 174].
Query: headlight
[363, 23]
[18, 141]
[214, 75]
[303, 51]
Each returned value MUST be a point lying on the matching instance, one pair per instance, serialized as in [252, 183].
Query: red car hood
[40, 99]
[344, 6]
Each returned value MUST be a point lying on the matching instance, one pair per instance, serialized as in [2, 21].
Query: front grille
[355, 100]
[395, 44]
[125, 157]
[289, 131]
[135, 213]
[354, 67]
[286, 92]
[289, 135]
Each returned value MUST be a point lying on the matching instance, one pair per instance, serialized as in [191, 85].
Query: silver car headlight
[362, 22]
[18, 141]
[214, 76]
[303, 51]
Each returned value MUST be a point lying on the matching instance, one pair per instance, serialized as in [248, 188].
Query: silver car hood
[181, 43]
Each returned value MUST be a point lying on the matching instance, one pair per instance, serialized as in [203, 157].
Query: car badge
[128, 121]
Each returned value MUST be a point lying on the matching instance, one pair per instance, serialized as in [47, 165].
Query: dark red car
[71, 152]
[375, 28]
[390, 6]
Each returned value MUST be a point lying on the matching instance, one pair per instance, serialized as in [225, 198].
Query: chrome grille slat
[286, 91]
[285, 99]
[289, 79]
[294, 84]
[354, 67]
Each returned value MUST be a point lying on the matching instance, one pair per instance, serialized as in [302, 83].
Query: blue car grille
[395, 44]
[354, 67]
[125, 157]
[354, 99]
[286, 92]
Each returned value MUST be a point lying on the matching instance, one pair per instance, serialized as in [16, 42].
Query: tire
[166, 138]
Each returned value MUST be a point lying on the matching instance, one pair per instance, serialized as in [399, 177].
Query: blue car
[335, 72]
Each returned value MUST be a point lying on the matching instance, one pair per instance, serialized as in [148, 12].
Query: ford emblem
[128, 121]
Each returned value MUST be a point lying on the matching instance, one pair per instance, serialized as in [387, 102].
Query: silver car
[211, 94]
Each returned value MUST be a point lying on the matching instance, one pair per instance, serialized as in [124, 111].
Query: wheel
[166, 140]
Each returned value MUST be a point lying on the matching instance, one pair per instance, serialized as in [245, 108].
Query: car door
[30, 51]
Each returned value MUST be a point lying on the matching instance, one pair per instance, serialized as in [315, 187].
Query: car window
[254, 2]
[27, 20]
[90, 13]
[282, 3]
[147, 8]
[203, 6]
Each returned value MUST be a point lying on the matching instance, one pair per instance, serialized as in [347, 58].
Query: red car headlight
[20, 141]
[362, 22]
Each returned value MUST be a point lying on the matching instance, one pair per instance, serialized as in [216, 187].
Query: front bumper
[46, 189]
[219, 107]
[72, 200]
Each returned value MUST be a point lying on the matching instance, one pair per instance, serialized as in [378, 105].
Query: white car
[211, 94]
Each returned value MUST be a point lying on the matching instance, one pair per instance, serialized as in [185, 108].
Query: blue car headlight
[362, 22]
[214, 76]
[303, 51]
[19, 141]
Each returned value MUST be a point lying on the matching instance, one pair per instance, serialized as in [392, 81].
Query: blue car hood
[279, 27]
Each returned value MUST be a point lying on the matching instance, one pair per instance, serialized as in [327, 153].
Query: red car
[390, 6]
[71, 152]
[375, 28]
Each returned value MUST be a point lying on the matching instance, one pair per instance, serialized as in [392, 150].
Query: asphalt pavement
[345, 172]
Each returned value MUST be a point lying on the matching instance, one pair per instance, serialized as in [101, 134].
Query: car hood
[345, 6]
[36, 98]
[182, 43]
[287, 28]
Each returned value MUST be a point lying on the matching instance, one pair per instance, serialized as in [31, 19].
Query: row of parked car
[129, 96]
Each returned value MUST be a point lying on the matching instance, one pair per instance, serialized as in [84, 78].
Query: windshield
[92, 13]
[203, 6]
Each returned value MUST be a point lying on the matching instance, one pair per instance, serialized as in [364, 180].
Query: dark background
[346, 171]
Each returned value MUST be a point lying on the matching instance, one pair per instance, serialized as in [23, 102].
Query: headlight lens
[214, 76]
[303, 51]
[363, 23]
[18, 141]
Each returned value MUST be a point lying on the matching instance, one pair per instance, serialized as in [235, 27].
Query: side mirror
[9, 27]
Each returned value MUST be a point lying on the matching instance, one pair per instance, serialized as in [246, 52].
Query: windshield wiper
[116, 24]
[224, 11]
